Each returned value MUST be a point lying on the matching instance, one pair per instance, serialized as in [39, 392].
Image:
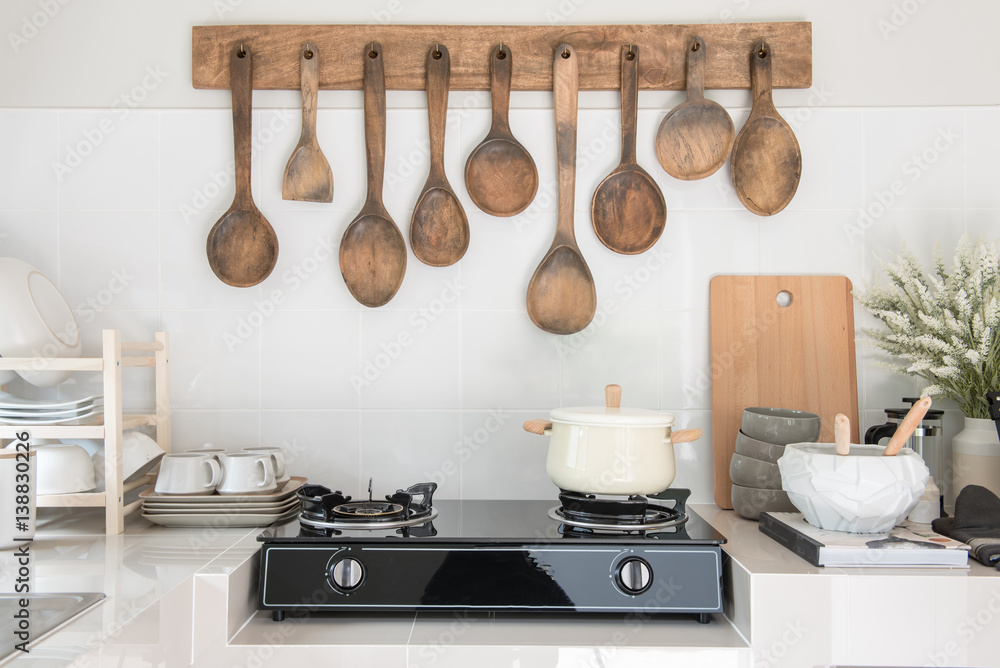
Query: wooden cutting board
[799, 356]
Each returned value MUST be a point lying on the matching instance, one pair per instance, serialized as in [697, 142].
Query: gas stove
[406, 553]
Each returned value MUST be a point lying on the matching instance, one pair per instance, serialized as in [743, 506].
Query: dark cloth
[976, 522]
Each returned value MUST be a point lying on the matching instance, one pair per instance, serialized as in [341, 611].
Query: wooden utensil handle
[613, 396]
[241, 74]
[760, 77]
[309, 72]
[565, 88]
[842, 434]
[501, 67]
[438, 75]
[685, 435]
[537, 426]
[907, 426]
[374, 85]
[696, 69]
[630, 101]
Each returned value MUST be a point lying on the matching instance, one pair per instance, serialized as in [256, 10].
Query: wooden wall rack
[275, 51]
[108, 427]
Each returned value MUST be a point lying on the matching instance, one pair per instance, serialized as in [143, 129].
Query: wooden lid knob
[613, 396]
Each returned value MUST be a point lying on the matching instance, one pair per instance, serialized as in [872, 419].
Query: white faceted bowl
[863, 492]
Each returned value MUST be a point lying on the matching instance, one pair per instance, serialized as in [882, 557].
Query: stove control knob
[634, 575]
[347, 574]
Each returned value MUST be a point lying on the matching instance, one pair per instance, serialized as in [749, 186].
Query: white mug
[247, 473]
[17, 503]
[209, 450]
[188, 473]
[278, 459]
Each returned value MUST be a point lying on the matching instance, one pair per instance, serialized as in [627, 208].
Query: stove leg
[278, 615]
[704, 618]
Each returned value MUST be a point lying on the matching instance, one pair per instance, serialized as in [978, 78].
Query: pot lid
[604, 416]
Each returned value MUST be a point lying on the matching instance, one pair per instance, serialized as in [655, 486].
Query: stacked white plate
[221, 511]
[18, 410]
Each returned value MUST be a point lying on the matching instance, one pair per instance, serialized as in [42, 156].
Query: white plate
[11, 401]
[219, 520]
[218, 507]
[153, 509]
[35, 414]
[80, 419]
[250, 499]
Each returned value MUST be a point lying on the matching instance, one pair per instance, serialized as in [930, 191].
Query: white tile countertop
[179, 597]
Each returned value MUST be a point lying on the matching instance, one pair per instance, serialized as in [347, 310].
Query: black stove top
[510, 555]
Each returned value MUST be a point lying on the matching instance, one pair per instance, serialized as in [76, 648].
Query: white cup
[17, 496]
[188, 473]
[277, 459]
[247, 473]
[209, 450]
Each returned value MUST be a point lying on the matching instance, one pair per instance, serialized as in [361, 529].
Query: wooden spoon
[500, 175]
[767, 162]
[695, 138]
[907, 427]
[372, 252]
[628, 210]
[842, 434]
[439, 229]
[242, 246]
[307, 175]
[561, 295]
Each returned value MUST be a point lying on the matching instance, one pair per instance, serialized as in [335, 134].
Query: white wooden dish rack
[108, 427]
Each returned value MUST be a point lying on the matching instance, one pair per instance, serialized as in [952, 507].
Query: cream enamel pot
[609, 449]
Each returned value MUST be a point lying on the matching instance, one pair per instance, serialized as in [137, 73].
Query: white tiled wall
[297, 361]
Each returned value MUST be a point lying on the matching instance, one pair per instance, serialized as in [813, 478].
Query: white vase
[975, 457]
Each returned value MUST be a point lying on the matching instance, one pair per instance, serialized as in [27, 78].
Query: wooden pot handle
[537, 426]
[685, 435]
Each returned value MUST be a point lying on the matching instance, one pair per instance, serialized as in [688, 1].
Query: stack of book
[907, 545]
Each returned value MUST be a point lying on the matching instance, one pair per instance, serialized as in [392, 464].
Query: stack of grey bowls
[764, 433]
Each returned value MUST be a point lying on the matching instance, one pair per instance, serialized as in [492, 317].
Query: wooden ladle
[561, 295]
[628, 211]
[308, 177]
[242, 246]
[439, 229]
[695, 138]
[907, 427]
[372, 251]
[500, 175]
[767, 161]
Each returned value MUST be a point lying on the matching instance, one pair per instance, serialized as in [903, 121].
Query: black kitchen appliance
[589, 554]
[993, 398]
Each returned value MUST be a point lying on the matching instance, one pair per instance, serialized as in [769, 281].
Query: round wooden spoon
[372, 252]
[308, 177]
[907, 427]
[500, 175]
[439, 229]
[561, 295]
[767, 162]
[628, 210]
[842, 434]
[695, 138]
[242, 246]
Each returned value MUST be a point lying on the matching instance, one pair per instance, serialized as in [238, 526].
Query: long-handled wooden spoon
[842, 434]
[242, 246]
[561, 295]
[308, 176]
[500, 175]
[372, 252]
[907, 427]
[767, 162]
[628, 210]
[439, 230]
[695, 138]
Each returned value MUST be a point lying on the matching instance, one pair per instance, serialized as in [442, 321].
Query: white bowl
[140, 453]
[63, 469]
[35, 320]
[862, 492]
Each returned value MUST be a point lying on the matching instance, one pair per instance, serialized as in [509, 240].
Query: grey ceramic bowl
[750, 503]
[780, 426]
[750, 472]
[751, 447]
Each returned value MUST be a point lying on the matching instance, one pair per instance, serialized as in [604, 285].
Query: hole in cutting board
[784, 298]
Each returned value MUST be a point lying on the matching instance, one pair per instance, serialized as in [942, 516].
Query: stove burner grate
[326, 510]
[634, 513]
[368, 509]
